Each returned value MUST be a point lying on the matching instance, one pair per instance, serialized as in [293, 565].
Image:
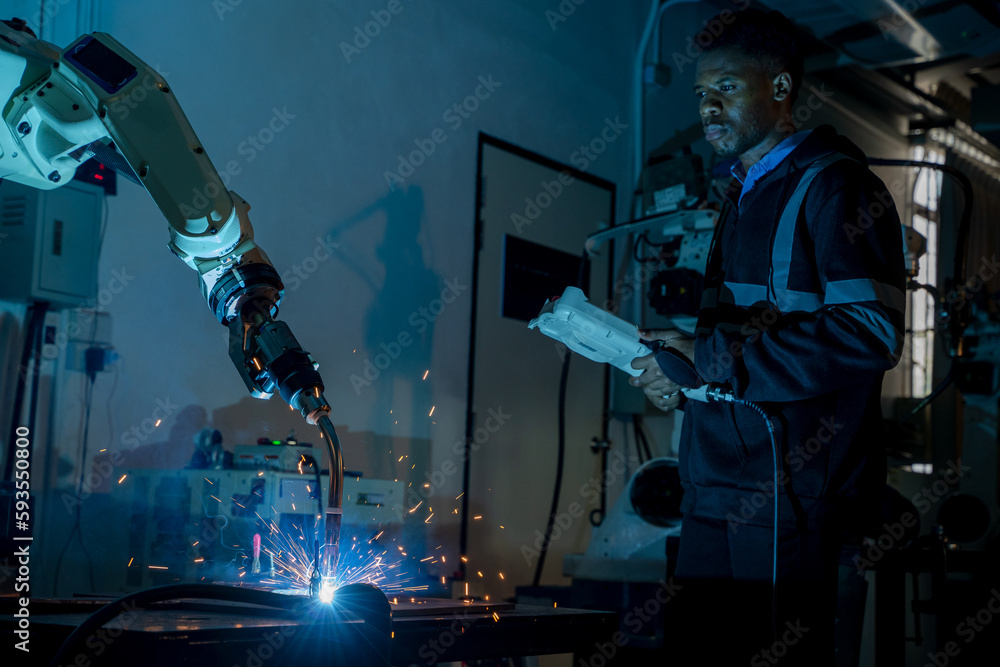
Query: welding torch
[334, 509]
[269, 357]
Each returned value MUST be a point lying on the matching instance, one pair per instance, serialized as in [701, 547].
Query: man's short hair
[768, 37]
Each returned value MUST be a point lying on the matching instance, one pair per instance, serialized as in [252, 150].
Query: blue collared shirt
[771, 160]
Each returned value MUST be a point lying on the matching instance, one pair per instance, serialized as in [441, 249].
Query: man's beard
[757, 132]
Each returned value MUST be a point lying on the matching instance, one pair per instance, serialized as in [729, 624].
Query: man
[802, 315]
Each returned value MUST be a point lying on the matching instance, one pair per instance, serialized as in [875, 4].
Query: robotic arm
[61, 106]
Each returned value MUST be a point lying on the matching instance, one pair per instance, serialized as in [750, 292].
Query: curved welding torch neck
[335, 500]
[336, 495]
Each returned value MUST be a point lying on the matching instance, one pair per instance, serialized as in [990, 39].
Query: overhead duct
[890, 33]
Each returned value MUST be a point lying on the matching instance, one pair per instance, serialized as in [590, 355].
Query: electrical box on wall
[49, 243]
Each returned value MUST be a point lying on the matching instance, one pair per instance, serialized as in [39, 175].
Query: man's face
[735, 101]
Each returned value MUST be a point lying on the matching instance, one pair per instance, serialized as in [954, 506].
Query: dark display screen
[533, 273]
[109, 70]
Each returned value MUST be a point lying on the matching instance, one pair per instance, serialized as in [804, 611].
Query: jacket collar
[823, 141]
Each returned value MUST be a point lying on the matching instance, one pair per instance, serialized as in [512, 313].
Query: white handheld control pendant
[590, 331]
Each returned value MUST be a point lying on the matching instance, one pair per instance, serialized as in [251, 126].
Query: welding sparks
[130, 561]
[157, 567]
[158, 422]
[425, 374]
[432, 411]
[122, 478]
[365, 561]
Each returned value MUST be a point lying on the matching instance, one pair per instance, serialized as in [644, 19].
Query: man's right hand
[660, 390]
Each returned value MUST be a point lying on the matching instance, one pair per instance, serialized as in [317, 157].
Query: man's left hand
[681, 342]
[661, 391]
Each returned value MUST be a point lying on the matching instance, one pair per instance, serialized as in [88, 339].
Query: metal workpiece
[213, 625]
[218, 625]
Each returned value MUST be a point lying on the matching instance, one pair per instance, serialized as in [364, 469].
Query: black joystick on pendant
[677, 367]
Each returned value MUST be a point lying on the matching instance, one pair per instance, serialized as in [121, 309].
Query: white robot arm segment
[59, 104]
